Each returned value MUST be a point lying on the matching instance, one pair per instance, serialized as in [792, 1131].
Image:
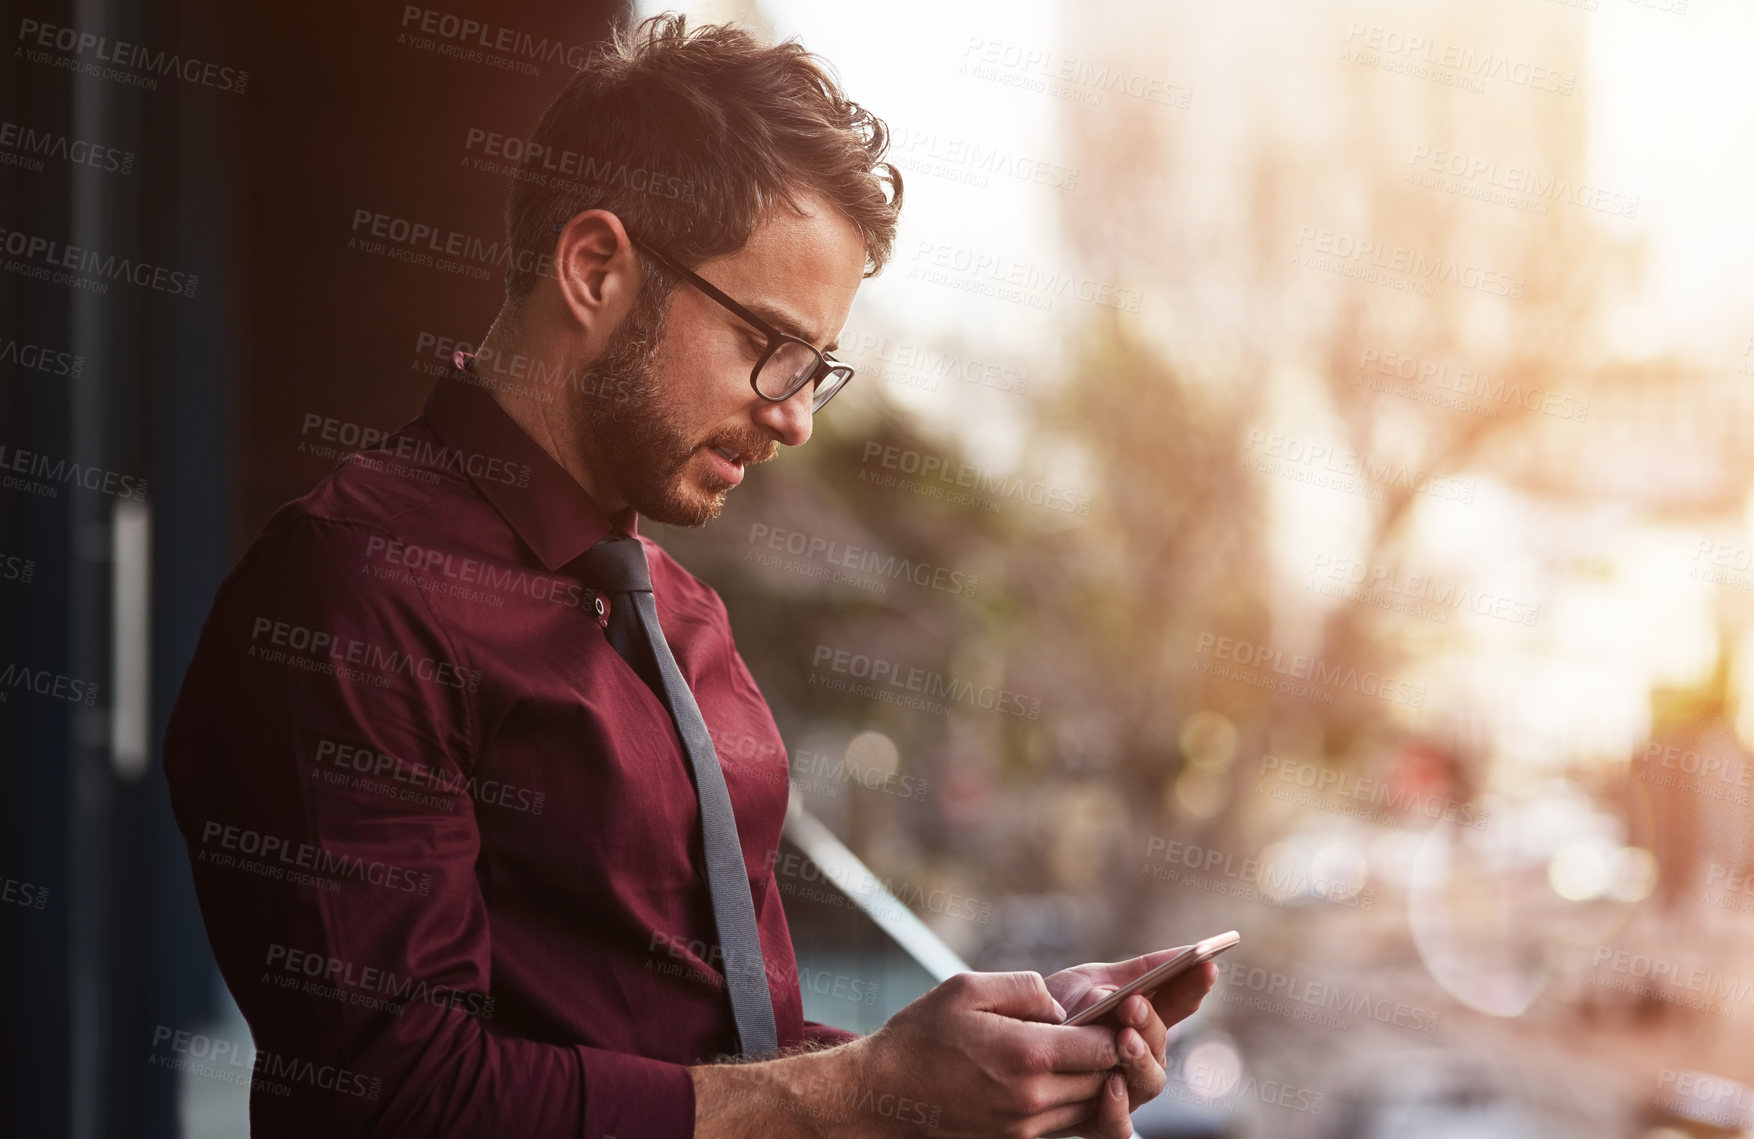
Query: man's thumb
[1021, 995]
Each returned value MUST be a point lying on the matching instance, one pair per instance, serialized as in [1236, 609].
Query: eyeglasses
[787, 363]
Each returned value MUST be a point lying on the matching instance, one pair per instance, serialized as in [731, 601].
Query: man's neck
[549, 424]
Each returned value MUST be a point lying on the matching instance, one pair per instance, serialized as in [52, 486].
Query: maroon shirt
[445, 840]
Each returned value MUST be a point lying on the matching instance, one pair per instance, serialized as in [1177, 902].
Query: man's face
[685, 424]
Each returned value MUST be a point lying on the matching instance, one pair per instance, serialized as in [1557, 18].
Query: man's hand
[983, 1054]
[1144, 1024]
[991, 1048]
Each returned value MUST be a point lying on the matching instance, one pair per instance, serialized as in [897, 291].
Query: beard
[639, 435]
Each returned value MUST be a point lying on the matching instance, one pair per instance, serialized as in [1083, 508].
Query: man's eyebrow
[785, 322]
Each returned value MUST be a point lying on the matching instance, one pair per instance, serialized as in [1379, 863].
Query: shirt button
[601, 608]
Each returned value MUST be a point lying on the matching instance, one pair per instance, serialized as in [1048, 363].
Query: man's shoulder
[381, 488]
[384, 492]
[370, 517]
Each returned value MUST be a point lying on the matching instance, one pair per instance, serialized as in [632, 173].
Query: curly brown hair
[692, 137]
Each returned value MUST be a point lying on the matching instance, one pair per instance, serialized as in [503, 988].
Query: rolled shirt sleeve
[827, 1034]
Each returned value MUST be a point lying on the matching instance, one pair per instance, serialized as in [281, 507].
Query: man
[467, 857]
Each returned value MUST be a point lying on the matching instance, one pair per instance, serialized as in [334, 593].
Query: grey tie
[617, 566]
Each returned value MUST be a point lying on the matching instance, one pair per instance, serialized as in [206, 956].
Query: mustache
[758, 450]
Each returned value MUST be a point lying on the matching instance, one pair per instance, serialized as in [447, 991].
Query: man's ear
[596, 270]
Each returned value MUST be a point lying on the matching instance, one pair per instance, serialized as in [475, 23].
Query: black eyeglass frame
[825, 366]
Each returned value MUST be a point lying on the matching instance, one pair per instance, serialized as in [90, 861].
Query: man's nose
[790, 420]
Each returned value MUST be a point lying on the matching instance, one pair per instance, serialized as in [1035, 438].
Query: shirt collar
[551, 512]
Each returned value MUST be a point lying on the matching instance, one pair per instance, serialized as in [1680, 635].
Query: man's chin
[686, 503]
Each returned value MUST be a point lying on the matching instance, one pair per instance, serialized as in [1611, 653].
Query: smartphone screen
[1148, 983]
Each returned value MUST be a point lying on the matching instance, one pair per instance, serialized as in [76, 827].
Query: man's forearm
[807, 1094]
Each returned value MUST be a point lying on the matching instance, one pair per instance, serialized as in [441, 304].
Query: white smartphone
[1148, 983]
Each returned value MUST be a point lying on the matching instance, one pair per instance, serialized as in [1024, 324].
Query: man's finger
[1138, 1014]
[1086, 1119]
[1141, 1067]
[1075, 1089]
[1052, 1048]
[1112, 1120]
[1022, 996]
[1118, 973]
[1178, 999]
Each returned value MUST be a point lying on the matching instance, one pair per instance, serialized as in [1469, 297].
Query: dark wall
[367, 117]
[205, 397]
